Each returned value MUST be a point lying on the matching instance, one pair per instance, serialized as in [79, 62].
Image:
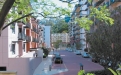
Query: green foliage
[19, 9]
[68, 45]
[103, 14]
[45, 51]
[60, 26]
[84, 22]
[78, 45]
[114, 73]
[117, 72]
[82, 72]
[57, 43]
[89, 1]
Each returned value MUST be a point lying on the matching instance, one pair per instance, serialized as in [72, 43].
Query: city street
[72, 61]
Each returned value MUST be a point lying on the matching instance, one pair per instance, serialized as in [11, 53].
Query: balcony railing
[27, 25]
[37, 40]
[33, 40]
[21, 36]
[33, 29]
[28, 38]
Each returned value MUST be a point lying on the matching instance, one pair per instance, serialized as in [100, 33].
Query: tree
[12, 11]
[57, 43]
[105, 41]
[21, 9]
[60, 26]
[102, 14]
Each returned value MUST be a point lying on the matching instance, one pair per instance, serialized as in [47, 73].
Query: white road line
[65, 66]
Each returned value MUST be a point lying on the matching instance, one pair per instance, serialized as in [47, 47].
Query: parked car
[85, 55]
[78, 52]
[55, 54]
[94, 58]
[58, 60]
[70, 50]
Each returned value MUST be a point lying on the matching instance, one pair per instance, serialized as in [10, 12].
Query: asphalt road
[72, 63]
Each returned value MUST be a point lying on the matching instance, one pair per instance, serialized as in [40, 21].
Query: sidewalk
[43, 68]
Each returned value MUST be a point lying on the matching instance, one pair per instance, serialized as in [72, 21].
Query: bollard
[81, 66]
[49, 67]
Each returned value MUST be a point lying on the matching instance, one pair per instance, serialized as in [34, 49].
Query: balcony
[21, 36]
[27, 25]
[78, 28]
[86, 9]
[37, 40]
[28, 38]
[83, 2]
[98, 3]
[33, 29]
[33, 39]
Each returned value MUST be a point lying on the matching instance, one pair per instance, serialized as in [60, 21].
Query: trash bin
[81, 66]
[49, 67]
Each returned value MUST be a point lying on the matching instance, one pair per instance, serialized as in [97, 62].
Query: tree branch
[16, 20]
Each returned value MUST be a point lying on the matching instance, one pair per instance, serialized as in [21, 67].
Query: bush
[102, 72]
[45, 51]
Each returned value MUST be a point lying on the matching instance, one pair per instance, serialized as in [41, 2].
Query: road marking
[65, 66]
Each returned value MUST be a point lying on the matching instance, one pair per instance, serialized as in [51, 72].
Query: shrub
[45, 51]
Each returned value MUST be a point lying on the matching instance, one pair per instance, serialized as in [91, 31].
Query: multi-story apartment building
[77, 34]
[64, 37]
[19, 43]
[46, 36]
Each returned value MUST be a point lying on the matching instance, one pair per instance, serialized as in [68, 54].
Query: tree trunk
[4, 11]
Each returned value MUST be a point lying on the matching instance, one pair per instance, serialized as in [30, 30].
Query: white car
[85, 55]
[70, 50]
[78, 52]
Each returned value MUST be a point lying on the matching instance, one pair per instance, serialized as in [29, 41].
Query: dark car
[55, 55]
[94, 58]
[58, 60]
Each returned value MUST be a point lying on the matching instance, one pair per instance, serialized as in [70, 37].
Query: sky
[62, 4]
[59, 3]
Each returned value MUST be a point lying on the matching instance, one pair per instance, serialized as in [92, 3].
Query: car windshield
[85, 54]
[58, 58]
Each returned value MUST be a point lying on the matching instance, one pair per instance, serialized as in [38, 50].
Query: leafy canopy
[102, 14]
[19, 8]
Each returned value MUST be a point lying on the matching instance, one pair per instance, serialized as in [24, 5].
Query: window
[20, 30]
[2, 68]
[13, 48]
[13, 28]
[24, 47]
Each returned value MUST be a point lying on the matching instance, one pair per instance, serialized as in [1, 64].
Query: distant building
[46, 36]
[64, 37]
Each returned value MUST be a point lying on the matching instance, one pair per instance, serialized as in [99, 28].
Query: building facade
[19, 43]
[64, 37]
[45, 39]
[77, 33]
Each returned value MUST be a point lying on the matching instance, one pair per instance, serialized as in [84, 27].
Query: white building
[46, 36]
[78, 34]
[64, 37]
